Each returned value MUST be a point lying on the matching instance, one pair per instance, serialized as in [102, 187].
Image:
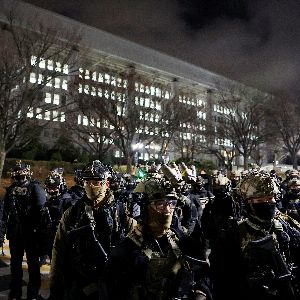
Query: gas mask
[264, 211]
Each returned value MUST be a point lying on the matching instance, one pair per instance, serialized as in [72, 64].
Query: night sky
[256, 42]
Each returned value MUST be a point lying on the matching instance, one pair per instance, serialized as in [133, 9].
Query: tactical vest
[91, 238]
[264, 265]
[161, 270]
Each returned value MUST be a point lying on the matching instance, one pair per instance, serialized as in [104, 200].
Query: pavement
[5, 275]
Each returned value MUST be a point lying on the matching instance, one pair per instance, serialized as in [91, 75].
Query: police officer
[20, 221]
[255, 255]
[291, 199]
[58, 201]
[85, 236]
[154, 262]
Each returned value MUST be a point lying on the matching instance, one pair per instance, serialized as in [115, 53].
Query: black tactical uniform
[85, 236]
[152, 262]
[58, 201]
[21, 221]
[258, 256]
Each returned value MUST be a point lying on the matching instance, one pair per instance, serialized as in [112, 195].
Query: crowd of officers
[173, 234]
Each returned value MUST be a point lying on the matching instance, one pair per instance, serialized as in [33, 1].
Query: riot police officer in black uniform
[85, 236]
[153, 261]
[58, 201]
[21, 217]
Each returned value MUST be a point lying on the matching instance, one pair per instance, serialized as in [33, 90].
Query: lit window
[99, 92]
[39, 113]
[158, 92]
[85, 121]
[42, 63]
[105, 124]
[147, 90]
[117, 153]
[147, 102]
[32, 78]
[113, 95]
[106, 94]
[64, 84]
[94, 76]
[125, 83]
[136, 100]
[142, 90]
[91, 139]
[33, 60]
[66, 69]
[30, 113]
[58, 66]
[86, 89]
[87, 74]
[152, 90]
[167, 95]
[50, 65]
[40, 79]
[119, 82]
[92, 122]
[119, 110]
[100, 78]
[48, 98]
[79, 119]
[136, 86]
[56, 99]
[80, 72]
[113, 81]
[80, 88]
[57, 83]
[93, 91]
[106, 78]
[47, 115]
[62, 117]
[49, 82]
[55, 115]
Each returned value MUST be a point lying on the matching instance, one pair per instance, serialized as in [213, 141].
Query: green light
[141, 174]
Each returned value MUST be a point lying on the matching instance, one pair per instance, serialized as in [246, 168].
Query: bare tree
[239, 123]
[32, 56]
[284, 123]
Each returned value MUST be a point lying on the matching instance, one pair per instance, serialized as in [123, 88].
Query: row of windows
[201, 115]
[191, 101]
[49, 64]
[93, 91]
[97, 138]
[103, 78]
[41, 114]
[151, 90]
[89, 121]
[152, 117]
[57, 82]
[147, 102]
[223, 142]
[143, 156]
[222, 110]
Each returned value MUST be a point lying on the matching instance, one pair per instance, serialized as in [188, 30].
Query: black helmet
[95, 170]
[20, 172]
[55, 183]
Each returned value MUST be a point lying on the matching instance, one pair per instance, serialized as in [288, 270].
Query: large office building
[127, 74]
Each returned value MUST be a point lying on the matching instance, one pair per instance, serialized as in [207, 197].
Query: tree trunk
[2, 160]
[295, 162]
[245, 162]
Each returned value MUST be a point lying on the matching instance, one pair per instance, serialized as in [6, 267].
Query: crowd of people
[176, 233]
